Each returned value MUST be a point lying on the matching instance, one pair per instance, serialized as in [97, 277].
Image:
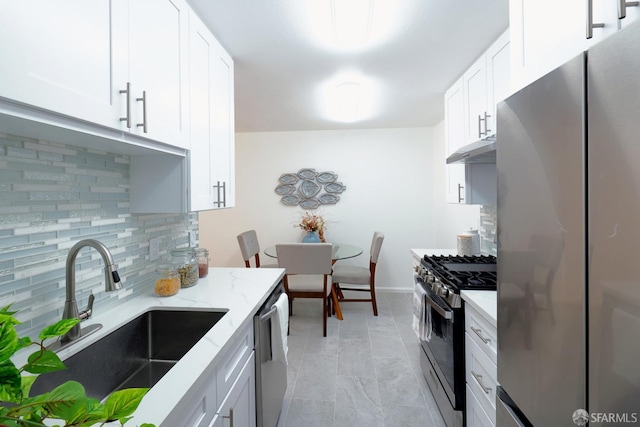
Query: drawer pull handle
[479, 333]
[478, 378]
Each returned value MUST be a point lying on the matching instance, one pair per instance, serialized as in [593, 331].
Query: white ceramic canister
[475, 238]
[465, 244]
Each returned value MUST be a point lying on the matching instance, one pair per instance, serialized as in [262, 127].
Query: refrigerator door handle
[590, 24]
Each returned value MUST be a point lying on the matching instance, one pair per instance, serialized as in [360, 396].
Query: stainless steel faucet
[112, 283]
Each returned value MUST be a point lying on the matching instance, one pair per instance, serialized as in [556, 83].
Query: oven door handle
[447, 314]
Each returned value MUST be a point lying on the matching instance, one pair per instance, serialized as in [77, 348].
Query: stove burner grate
[464, 272]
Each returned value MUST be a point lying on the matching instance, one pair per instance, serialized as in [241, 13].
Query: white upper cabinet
[486, 82]
[207, 180]
[77, 58]
[475, 101]
[454, 119]
[58, 56]
[157, 70]
[201, 108]
[212, 121]
[498, 63]
[470, 111]
[223, 134]
[547, 33]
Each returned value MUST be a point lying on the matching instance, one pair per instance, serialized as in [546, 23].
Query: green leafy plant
[67, 402]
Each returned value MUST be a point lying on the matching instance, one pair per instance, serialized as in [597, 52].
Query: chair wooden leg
[373, 301]
[324, 316]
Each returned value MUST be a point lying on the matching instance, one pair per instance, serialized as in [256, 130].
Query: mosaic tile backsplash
[488, 224]
[53, 195]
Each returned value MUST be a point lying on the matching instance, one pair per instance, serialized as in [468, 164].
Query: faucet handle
[84, 315]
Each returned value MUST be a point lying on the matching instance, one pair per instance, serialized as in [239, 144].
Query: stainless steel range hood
[483, 151]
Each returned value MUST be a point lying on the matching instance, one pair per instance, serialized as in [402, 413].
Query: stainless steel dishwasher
[271, 375]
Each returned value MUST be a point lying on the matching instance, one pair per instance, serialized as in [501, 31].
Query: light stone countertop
[485, 303]
[240, 290]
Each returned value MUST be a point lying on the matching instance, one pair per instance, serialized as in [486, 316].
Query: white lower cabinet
[481, 369]
[227, 392]
[239, 406]
[476, 416]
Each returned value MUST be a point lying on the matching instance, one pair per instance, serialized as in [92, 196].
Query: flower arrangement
[312, 222]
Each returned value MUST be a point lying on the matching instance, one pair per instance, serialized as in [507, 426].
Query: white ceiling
[279, 67]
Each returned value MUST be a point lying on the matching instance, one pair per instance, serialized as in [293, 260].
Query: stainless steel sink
[137, 354]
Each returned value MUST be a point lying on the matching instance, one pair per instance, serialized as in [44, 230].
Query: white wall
[395, 183]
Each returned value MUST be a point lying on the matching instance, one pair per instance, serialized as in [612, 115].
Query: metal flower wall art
[309, 189]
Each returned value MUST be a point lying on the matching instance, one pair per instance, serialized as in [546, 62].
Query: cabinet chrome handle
[460, 198]
[623, 5]
[479, 126]
[229, 417]
[221, 203]
[144, 111]
[478, 378]
[128, 118]
[590, 24]
[486, 124]
[479, 333]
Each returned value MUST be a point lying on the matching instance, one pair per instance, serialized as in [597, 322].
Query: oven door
[445, 347]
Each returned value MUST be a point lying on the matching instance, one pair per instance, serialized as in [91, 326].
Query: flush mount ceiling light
[347, 101]
[351, 21]
[349, 25]
[348, 97]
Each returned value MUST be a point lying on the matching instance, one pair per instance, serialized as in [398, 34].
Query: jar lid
[202, 251]
[166, 269]
[183, 251]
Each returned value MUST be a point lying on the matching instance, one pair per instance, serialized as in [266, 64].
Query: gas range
[447, 275]
[440, 280]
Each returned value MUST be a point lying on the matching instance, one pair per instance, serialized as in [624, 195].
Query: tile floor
[366, 372]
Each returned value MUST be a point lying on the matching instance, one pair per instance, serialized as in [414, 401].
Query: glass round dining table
[338, 251]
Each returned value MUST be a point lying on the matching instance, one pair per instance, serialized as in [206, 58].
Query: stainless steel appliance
[568, 233]
[442, 357]
[271, 373]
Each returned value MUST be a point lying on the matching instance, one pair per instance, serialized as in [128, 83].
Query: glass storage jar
[167, 280]
[184, 259]
[202, 255]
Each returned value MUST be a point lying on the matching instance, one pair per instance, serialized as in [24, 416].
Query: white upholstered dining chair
[359, 279]
[250, 248]
[311, 264]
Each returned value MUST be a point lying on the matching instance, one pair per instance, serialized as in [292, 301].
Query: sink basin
[137, 354]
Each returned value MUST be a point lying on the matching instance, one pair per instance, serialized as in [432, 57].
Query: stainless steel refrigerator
[568, 162]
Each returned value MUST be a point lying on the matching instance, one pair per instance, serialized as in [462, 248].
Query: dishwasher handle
[268, 314]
